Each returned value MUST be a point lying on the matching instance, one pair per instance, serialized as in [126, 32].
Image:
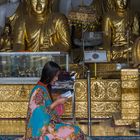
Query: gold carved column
[130, 97]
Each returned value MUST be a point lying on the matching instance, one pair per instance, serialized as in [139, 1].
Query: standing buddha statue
[40, 29]
[120, 29]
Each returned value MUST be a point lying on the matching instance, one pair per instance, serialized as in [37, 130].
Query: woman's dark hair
[49, 71]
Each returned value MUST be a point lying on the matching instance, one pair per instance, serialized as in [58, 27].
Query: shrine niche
[104, 29]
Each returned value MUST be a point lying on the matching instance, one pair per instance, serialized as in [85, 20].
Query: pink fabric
[64, 132]
[59, 109]
[33, 105]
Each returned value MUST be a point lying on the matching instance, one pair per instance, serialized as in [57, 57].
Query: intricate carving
[129, 74]
[104, 107]
[15, 92]
[105, 95]
[81, 90]
[130, 96]
[13, 109]
[106, 89]
[130, 104]
[68, 108]
[98, 90]
[130, 84]
[105, 98]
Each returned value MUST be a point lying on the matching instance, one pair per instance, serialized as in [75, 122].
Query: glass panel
[28, 64]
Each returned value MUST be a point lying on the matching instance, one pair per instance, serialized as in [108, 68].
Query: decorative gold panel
[106, 107]
[101, 115]
[100, 90]
[130, 97]
[130, 104]
[81, 90]
[106, 67]
[130, 84]
[81, 110]
[105, 70]
[15, 92]
[13, 109]
[131, 111]
[129, 74]
[105, 97]
[128, 116]
[97, 108]
[106, 90]
[68, 108]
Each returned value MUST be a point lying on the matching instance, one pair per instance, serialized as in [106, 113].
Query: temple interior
[97, 44]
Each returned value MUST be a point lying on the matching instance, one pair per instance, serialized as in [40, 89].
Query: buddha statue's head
[121, 4]
[39, 7]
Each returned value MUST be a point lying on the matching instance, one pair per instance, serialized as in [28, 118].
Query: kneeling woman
[43, 121]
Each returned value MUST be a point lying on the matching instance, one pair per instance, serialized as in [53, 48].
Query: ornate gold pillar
[130, 97]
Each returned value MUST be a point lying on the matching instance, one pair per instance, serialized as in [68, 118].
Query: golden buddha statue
[120, 29]
[6, 39]
[40, 29]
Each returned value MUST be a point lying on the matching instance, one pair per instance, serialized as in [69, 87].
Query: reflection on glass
[27, 65]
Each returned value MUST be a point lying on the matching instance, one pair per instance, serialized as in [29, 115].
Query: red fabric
[60, 109]
[42, 84]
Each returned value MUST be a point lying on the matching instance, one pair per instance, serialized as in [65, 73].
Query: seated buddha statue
[120, 29]
[7, 10]
[40, 29]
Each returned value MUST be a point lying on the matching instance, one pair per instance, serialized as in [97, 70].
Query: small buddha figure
[7, 10]
[40, 29]
[6, 39]
[120, 29]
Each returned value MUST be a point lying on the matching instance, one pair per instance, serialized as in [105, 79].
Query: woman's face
[121, 4]
[39, 6]
[55, 78]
